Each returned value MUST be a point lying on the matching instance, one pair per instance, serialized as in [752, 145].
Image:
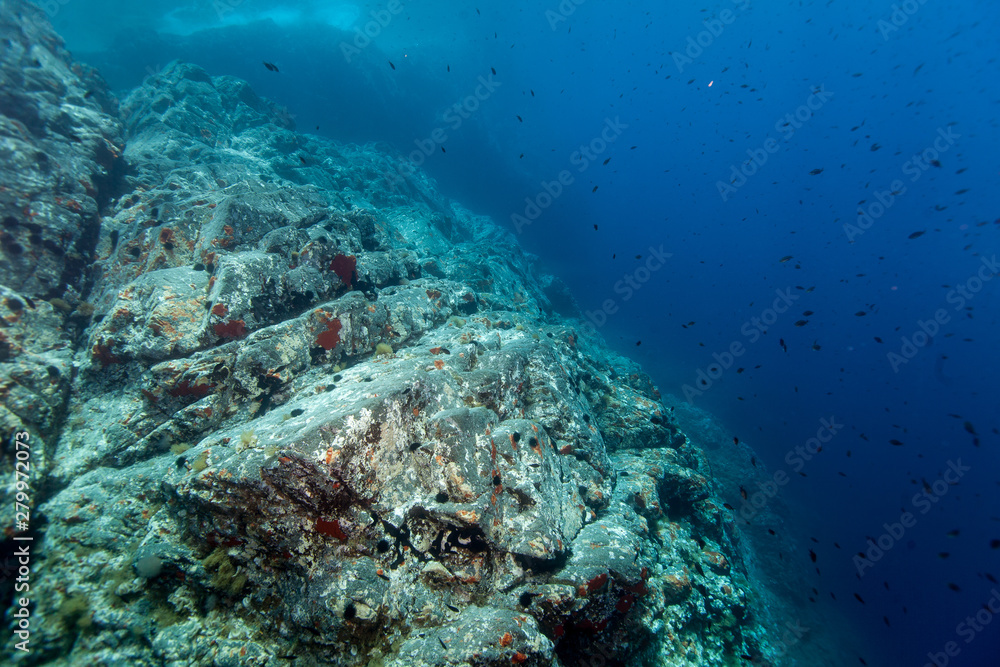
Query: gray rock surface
[309, 417]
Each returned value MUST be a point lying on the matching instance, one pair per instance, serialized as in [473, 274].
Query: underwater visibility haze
[417, 332]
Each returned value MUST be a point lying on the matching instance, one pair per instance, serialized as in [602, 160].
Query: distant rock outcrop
[290, 409]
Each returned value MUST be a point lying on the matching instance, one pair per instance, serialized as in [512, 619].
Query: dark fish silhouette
[271, 67]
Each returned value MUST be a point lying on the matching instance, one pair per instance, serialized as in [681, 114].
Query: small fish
[815, 172]
[520, 120]
[816, 346]
[953, 586]
[736, 440]
[895, 442]
[271, 67]
[638, 343]
[743, 493]
[781, 342]
[970, 428]
[391, 65]
[807, 313]
[87, 95]
[916, 235]
[607, 161]
[440, 350]
[494, 70]
[802, 323]
[878, 340]
[785, 259]
[812, 555]
[860, 313]
[595, 228]
[860, 599]
[954, 532]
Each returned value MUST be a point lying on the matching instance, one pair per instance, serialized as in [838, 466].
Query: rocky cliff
[286, 407]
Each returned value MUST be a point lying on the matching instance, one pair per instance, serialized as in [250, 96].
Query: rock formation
[287, 404]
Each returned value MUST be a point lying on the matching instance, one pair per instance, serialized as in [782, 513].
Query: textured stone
[312, 416]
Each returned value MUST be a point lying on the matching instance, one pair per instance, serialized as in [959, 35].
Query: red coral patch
[344, 266]
[220, 310]
[597, 583]
[102, 352]
[328, 339]
[625, 603]
[187, 389]
[231, 329]
[331, 528]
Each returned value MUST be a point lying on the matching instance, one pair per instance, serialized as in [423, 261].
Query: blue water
[711, 118]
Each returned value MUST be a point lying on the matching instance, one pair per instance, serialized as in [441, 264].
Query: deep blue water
[700, 126]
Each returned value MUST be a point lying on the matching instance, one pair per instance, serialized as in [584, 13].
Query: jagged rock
[321, 414]
[60, 150]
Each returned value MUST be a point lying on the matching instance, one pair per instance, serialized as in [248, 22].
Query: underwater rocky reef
[289, 405]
